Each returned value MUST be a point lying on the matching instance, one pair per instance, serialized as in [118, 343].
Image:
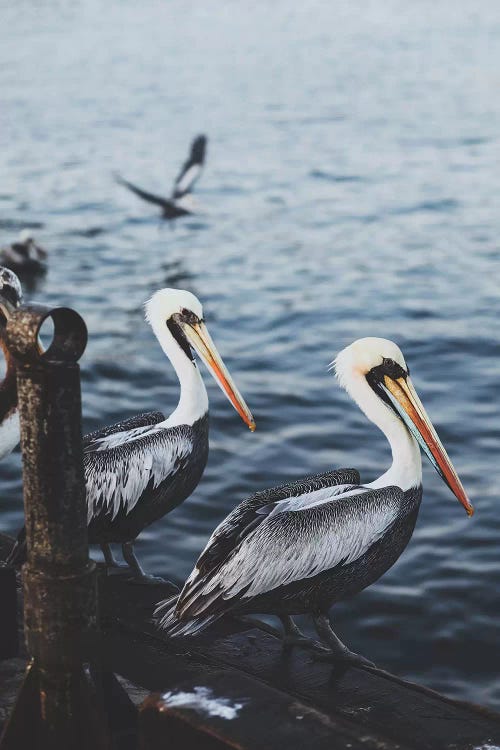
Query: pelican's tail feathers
[167, 620]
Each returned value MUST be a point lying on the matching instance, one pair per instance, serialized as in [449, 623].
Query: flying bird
[25, 257]
[304, 546]
[11, 296]
[181, 201]
[138, 470]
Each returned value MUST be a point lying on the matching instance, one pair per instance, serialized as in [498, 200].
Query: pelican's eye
[188, 316]
[388, 367]
[393, 369]
[376, 375]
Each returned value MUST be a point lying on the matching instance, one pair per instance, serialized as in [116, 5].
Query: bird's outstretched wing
[191, 169]
[150, 197]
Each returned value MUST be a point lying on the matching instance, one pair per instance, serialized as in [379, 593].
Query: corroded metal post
[57, 707]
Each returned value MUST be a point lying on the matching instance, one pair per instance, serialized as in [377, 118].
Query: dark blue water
[351, 189]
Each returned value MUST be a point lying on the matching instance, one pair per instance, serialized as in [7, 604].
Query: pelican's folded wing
[18, 553]
[296, 540]
[249, 514]
[140, 420]
[121, 466]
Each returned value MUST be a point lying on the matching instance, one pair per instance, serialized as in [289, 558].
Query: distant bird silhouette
[181, 202]
[25, 257]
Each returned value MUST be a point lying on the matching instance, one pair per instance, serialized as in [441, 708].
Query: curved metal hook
[23, 328]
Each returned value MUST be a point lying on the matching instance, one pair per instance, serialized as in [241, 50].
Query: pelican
[25, 256]
[304, 546]
[11, 296]
[181, 201]
[140, 469]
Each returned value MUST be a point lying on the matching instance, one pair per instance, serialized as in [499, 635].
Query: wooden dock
[235, 686]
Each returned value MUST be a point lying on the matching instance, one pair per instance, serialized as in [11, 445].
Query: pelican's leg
[109, 558]
[338, 650]
[293, 636]
[135, 566]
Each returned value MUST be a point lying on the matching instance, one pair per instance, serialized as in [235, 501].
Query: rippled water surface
[351, 189]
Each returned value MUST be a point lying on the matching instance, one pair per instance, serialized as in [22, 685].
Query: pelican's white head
[168, 302]
[176, 317]
[374, 373]
[363, 355]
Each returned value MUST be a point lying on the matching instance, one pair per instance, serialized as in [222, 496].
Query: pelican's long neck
[406, 468]
[193, 400]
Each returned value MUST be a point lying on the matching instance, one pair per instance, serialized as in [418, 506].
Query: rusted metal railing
[58, 706]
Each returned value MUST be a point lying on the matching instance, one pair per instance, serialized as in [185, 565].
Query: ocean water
[351, 189]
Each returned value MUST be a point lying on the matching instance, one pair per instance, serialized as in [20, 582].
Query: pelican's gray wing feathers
[296, 543]
[120, 466]
[249, 513]
[298, 538]
[139, 420]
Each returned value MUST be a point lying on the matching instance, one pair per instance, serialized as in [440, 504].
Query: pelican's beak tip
[252, 425]
[470, 510]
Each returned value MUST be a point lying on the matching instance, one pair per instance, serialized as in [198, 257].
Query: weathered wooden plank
[236, 710]
[381, 705]
[268, 715]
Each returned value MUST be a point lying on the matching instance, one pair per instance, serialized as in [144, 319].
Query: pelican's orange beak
[406, 402]
[200, 339]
